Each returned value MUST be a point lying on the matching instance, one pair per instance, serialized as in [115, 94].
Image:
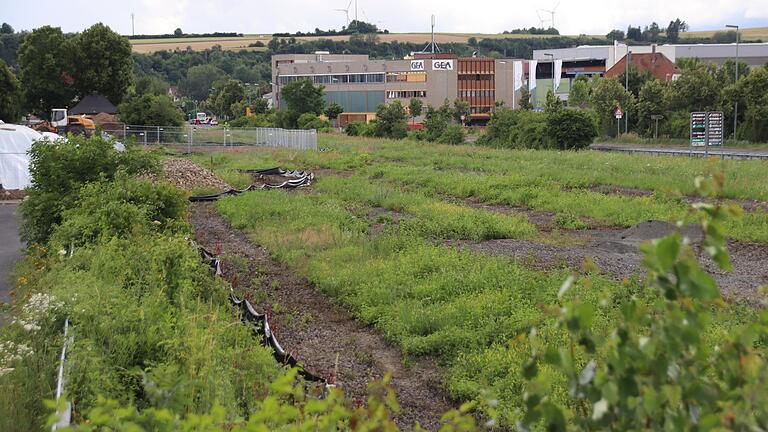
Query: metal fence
[200, 135]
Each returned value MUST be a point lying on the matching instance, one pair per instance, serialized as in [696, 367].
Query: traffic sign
[618, 113]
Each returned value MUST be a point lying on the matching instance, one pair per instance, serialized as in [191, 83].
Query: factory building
[360, 84]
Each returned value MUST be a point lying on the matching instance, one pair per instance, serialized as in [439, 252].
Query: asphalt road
[727, 152]
[10, 245]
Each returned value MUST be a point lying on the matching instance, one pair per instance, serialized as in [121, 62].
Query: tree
[651, 33]
[102, 63]
[525, 99]
[436, 122]
[151, 84]
[200, 79]
[10, 95]
[673, 30]
[571, 129]
[301, 96]
[228, 91]
[44, 70]
[461, 111]
[391, 121]
[696, 90]
[634, 33]
[653, 99]
[178, 32]
[636, 79]
[150, 110]
[615, 35]
[6, 29]
[607, 95]
[415, 106]
[754, 90]
[579, 94]
[333, 111]
[472, 41]
[552, 102]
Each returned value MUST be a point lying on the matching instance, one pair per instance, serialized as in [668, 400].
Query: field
[747, 34]
[236, 43]
[454, 253]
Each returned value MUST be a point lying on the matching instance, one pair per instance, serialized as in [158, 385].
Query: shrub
[571, 128]
[435, 123]
[418, 135]
[312, 121]
[61, 168]
[254, 121]
[516, 129]
[119, 208]
[453, 134]
[359, 128]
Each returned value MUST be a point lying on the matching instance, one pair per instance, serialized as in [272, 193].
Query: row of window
[336, 79]
[406, 94]
[477, 93]
[480, 110]
[472, 77]
[407, 77]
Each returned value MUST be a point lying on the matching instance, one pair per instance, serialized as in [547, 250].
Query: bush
[312, 121]
[119, 208]
[571, 128]
[61, 168]
[254, 121]
[359, 128]
[516, 129]
[453, 134]
[418, 135]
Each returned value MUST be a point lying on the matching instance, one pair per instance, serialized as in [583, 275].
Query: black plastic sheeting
[258, 322]
[296, 179]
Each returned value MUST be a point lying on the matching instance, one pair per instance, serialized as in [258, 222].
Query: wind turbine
[346, 11]
[541, 20]
[552, 13]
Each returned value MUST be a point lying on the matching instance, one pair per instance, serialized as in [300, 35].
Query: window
[403, 94]
[407, 77]
[336, 79]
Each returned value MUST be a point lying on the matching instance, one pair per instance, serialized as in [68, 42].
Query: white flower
[599, 409]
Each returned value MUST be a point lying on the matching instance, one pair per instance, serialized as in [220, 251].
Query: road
[726, 153]
[10, 245]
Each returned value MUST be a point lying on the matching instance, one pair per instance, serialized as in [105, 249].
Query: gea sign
[417, 65]
[446, 65]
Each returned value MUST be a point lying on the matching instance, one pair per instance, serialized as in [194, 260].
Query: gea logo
[442, 64]
[417, 65]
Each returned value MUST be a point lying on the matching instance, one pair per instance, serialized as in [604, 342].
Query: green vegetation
[155, 344]
[10, 95]
[375, 242]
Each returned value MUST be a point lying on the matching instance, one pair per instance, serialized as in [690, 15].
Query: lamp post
[627, 59]
[736, 80]
[552, 58]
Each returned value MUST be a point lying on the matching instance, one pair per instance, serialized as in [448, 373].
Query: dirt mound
[12, 194]
[654, 229]
[187, 175]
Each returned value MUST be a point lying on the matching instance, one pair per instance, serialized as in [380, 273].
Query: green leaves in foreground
[655, 370]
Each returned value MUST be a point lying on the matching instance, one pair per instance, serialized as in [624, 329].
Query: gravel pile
[187, 175]
[12, 194]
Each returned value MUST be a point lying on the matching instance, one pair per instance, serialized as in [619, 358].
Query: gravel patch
[189, 176]
[318, 333]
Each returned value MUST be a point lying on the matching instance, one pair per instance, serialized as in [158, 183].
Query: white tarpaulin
[517, 73]
[558, 72]
[532, 74]
[15, 143]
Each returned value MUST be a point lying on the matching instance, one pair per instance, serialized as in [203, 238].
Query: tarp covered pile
[15, 143]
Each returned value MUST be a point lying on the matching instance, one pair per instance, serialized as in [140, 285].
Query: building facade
[360, 84]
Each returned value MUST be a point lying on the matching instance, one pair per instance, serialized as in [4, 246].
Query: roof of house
[655, 62]
[93, 104]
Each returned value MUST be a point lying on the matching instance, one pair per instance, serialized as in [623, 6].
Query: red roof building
[654, 62]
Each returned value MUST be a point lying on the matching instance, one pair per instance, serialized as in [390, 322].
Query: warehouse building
[360, 84]
[599, 59]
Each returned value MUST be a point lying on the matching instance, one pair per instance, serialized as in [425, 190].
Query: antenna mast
[433, 34]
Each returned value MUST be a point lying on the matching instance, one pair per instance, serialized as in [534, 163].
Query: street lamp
[552, 58]
[736, 80]
[627, 59]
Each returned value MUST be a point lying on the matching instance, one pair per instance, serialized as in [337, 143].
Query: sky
[480, 16]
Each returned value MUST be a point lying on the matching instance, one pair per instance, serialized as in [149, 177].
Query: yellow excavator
[63, 124]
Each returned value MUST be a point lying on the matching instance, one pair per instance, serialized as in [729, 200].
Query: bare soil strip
[321, 335]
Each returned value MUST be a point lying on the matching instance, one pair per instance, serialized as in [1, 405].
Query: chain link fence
[198, 135]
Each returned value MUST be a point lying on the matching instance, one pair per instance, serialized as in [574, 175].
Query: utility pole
[626, 86]
[735, 81]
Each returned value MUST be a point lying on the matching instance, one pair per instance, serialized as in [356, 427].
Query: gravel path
[320, 334]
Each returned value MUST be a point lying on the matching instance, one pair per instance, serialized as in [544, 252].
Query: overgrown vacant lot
[399, 234]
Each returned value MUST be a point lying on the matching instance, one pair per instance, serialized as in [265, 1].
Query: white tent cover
[15, 143]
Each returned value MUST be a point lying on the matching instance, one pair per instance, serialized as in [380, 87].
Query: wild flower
[37, 310]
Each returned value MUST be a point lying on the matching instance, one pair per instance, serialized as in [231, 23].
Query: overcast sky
[479, 16]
